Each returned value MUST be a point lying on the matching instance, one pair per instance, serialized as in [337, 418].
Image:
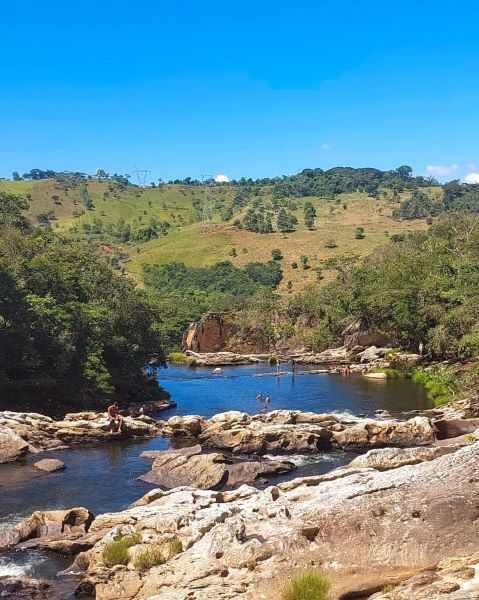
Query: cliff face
[206, 335]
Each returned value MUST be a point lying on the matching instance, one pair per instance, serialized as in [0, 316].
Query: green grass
[440, 382]
[198, 244]
[181, 359]
[116, 552]
[308, 585]
[157, 554]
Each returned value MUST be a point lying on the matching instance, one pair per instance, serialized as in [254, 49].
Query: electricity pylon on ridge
[208, 182]
[141, 175]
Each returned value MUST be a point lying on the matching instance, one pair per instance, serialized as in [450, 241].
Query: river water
[103, 477]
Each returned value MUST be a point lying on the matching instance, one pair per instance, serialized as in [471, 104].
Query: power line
[141, 176]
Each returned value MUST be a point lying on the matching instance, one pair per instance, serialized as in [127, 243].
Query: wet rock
[251, 471]
[50, 465]
[17, 588]
[12, 446]
[451, 428]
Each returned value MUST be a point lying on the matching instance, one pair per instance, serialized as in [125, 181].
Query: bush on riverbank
[440, 381]
[181, 359]
[308, 585]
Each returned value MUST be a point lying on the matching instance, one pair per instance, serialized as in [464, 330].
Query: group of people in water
[266, 400]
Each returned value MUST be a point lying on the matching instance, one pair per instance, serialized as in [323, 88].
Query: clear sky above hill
[250, 87]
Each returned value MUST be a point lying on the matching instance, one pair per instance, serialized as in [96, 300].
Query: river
[103, 477]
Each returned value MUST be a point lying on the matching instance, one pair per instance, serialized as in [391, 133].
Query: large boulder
[357, 334]
[12, 446]
[206, 335]
[451, 428]
[187, 467]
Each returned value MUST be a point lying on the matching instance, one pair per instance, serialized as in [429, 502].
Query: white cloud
[442, 169]
[222, 179]
[326, 147]
[472, 178]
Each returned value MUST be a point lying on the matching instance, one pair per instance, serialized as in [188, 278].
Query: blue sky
[254, 88]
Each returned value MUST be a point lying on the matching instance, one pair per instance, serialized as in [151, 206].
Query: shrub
[440, 383]
[308, 585]
[276, 254]
[157, 554]
[273, 359]
[181, 359]
[359, 233]
[330, 244]
[469, 346]
[294, 265]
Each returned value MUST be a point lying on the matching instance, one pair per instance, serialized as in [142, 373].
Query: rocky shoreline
[361, 524]
[373, 523]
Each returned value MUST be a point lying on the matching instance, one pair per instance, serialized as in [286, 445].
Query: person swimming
[259, 397]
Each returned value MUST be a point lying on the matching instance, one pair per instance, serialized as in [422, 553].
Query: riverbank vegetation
[72, 330]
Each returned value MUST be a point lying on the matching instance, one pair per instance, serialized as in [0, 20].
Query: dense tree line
[185, 293]
[72, 331]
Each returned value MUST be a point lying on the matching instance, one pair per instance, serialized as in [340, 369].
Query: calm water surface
[103, 477]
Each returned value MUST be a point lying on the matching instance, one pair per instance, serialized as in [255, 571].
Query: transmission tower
[141, 176]
[208, 202]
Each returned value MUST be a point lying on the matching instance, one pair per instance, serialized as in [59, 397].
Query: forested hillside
[296, 258]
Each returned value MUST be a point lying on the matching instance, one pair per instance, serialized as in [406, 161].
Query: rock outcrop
[289, 431]
[392, 458]
[245, 543]
[188, 467]
[12, 446]
[30, 432]
[357, 334]
[206, 335]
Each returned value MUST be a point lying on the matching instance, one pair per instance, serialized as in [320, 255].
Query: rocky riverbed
[403, 514]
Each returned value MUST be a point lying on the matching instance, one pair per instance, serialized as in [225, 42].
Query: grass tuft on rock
[116, 551]
[157, 554]
[150, 557]
[307, 585]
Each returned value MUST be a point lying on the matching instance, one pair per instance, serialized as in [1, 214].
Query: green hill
[179, 223]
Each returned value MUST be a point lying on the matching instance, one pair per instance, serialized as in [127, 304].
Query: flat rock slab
[204, 471]
[187, 451]
[208, 471]
[50, 465]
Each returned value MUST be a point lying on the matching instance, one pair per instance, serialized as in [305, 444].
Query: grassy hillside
[198, 242]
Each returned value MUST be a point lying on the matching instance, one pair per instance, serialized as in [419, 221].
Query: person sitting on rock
[117, 423]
